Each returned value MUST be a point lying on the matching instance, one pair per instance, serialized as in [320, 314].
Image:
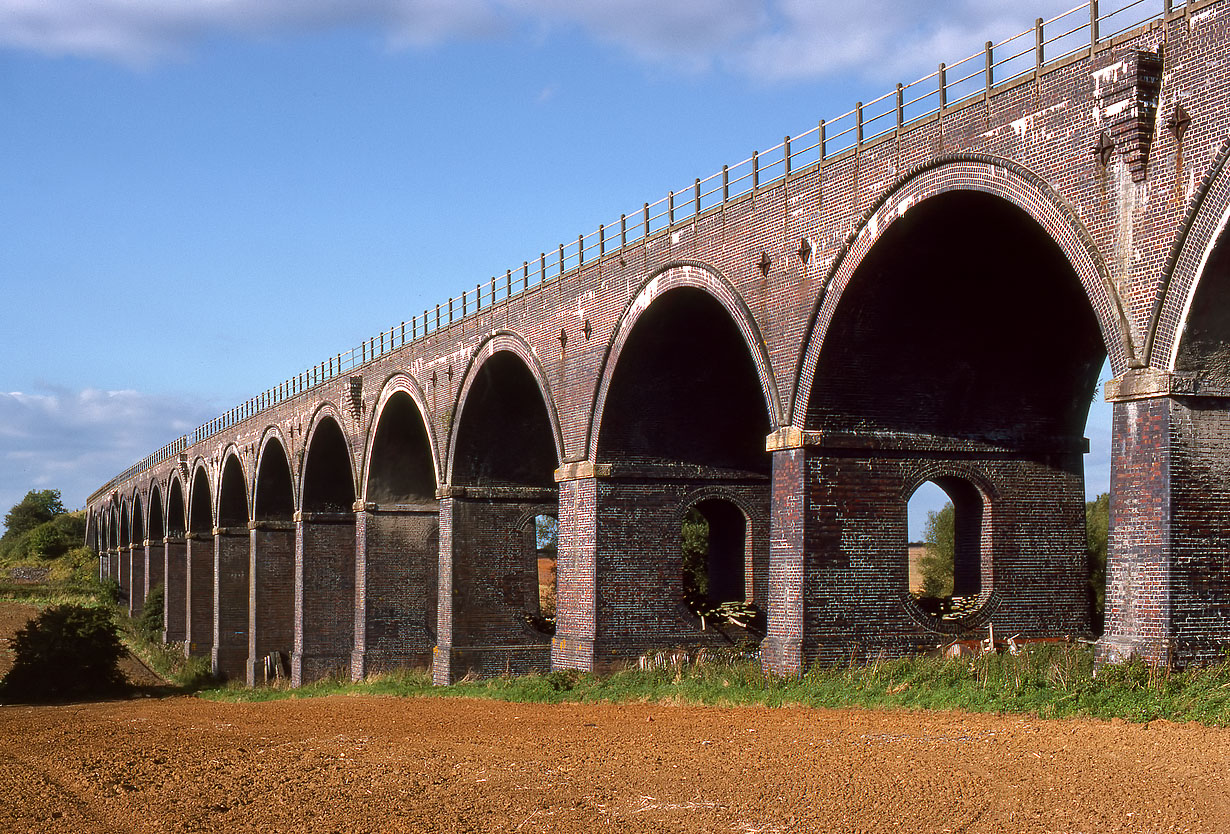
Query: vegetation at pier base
[1045, 680]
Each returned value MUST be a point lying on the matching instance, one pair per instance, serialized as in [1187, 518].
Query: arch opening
[274, 493]
[964, 352]
[328, 485]
[717, 559]
[504, 459]
[176, 524]
[233, 497]
[948, 572]
[686, 391]
[157, 522]
[401, 470]
[685, 413]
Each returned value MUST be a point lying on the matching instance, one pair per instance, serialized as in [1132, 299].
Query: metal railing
[951, 85]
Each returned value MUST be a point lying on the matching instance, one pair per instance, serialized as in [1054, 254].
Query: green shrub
[67, 651]
[149, 624]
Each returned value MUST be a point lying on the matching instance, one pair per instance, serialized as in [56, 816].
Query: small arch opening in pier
[717, 554]
[950, 568]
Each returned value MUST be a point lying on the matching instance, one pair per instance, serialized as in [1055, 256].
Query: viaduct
[923, 289]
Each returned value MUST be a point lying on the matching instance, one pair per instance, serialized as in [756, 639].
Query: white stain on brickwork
[1107, 75]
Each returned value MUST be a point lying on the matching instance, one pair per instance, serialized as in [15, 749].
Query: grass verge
[1048, 681]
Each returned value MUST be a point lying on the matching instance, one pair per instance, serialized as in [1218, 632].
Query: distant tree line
[39, 527]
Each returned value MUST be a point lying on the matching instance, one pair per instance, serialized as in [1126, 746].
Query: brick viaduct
[922, 290]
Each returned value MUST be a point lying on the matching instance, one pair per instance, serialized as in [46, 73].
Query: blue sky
[191, 190]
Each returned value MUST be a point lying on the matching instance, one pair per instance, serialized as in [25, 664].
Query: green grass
[1049, 681]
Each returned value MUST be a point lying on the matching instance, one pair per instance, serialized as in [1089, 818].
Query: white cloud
[74, 441]
[770, 40]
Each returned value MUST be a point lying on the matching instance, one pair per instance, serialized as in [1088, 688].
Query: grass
[1046, 680]
[1049, 681]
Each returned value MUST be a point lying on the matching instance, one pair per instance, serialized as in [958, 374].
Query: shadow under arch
[325, 544]
[704, 278]
[994, 176]
[271, 622]
[504, 448]
[398, 531]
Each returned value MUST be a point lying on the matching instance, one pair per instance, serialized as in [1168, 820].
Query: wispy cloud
[74, 441]
[770, 40]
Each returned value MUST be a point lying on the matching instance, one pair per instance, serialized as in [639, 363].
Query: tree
[38, 507]
[937, 564]
[1097, 529]
[694, 535]
[66, 651]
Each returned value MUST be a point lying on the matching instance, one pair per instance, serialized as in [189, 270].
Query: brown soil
[366, 764]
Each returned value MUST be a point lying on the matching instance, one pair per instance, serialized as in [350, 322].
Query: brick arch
[991, 175]
[503, 341]
[232, 450]
[176, 477]
[138, 507]
[930, 471]
[717, 492]
[323, 410]
[696, 275]
[155, 489]
[199, 465]
[274, 432]
[401, 382]
[1202, 227]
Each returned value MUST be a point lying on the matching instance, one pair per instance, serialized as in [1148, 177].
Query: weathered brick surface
[324, 596]
[395, 577]
[272, 596]
[1133, 235]
[232, 556]
[199, 597]
[175, 591]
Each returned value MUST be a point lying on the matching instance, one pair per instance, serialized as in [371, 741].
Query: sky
[192, 190]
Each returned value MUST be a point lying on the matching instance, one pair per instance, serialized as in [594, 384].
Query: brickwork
[324, 596]
[493, 587]
[1122, 237]
[232, 558]
[136, 581]
[199, 596]
[175, 591]
[155, 564]
[272, 597]
[395, 576]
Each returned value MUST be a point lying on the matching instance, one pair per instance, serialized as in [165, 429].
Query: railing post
[623, 230]
[542, 267]
[492, 290]
[670, 207]
[437, 317]
[463, 304]
[989, 72]
[822, 139]
[755, 170]
[943, 77]
[696, 195]
[1039, 44]
[478, 296]
[725, 183]
[900, 105]
[1168, 7]
[580, 250]
[450, 311]
[858, 123]
[1093, 24]
[403, 341]
[646, 210]
[601, 240]
[785, 154]
[561, 259]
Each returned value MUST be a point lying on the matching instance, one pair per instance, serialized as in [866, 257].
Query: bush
[149, 624]
[67, 651]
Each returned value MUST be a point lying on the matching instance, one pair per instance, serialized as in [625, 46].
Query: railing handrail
[636, 227]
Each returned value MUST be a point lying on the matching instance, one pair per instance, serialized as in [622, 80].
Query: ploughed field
[372, 764]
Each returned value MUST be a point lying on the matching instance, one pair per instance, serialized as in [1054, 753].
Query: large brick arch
[271, 433]
[232, 450]
[699, 276]
[991, 175]
[200, 465]
[503, 341]
[1203, 226]
[136, 518]
[324, 411]
[401, 382]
